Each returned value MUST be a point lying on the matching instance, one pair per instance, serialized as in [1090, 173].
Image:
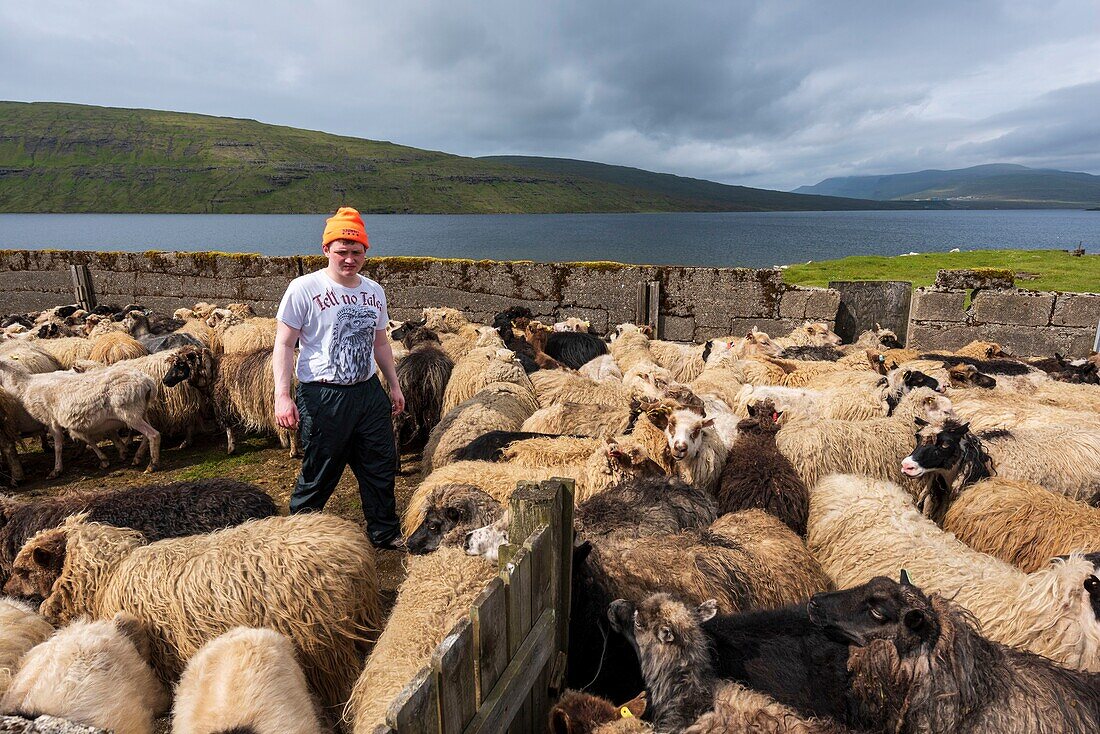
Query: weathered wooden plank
[503, 703]
[489, 616]
[416, 709]
[542, 569]
[519, 599]
[453, 662]
[565, 561]
[519, 623]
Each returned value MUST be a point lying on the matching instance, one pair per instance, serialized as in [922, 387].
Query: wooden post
[653, 312]
[83, 289]
[641, 304]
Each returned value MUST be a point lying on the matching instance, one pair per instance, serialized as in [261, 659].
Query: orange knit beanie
[346, 224]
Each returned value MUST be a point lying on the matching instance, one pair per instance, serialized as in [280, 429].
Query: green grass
[78, 158]
[216, 463]
[1056, 270]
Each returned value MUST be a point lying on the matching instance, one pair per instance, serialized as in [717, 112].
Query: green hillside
[77, 158]
[708, 194]
[991, 186]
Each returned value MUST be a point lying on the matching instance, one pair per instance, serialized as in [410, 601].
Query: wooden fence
[496, 670]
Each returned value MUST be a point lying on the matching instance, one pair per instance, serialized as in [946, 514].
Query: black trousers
[341, 425]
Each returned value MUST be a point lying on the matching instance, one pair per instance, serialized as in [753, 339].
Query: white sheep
[861, 527]
[602, 369]
[875, 447]
[87, 406]
[684, 361]
[579, 419]
[481, 367]
[247, 679]
[21, 628]
[92, 673]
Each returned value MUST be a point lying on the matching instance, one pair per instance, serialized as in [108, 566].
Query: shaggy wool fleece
[436, 594]
[1022, 523]
[249, 679]
[860, 528]
[311, 577]
[93, 673]
[21, 628]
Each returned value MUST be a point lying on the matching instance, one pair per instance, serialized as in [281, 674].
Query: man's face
[346, 256]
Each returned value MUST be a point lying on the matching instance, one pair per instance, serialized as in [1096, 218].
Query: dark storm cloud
[770, 94]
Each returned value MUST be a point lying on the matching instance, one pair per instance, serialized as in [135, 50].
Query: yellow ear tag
[624, 713]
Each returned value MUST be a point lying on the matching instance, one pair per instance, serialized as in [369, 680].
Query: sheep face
[191, 365]
[939, 449]
[632, 460]
[880, 609]
[37, 566]
[912, 379]
[453, 511]
[582, 713]
[683, 429]
[486, 541]
[661, 627]
[820, 334]
[414, 335]
[757, 343]
[401, 329]
[967, 375]
[763, 418]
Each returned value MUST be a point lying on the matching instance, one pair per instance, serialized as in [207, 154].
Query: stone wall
[1024, 322]
[696, 303]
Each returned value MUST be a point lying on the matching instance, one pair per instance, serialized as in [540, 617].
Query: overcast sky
[772, 94]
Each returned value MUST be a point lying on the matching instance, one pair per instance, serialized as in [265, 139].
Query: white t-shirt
[338, 326]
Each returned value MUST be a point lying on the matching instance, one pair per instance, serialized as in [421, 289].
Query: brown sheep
[311, 577]
[1022, 523]
[757, 475]
[577, 712]
[243, 389]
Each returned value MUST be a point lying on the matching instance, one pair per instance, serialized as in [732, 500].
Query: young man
[338, 318]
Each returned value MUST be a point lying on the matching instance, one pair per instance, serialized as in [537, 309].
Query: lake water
[716, 239]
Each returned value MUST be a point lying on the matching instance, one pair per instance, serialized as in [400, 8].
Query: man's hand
[398, 400]
[286, 412]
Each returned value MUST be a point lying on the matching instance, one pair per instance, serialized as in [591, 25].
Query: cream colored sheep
[499, 406]
[246, 336]
[860, 528]
[875, 447]
[562, 386]
[809, 334]
[437, 592]
[481, 367]
[602, 369]
[92, 673]
[1001, 408]
[579, 419]
[630, 347]
[67, 351]
[311, 577]
[115, 347]
[28, 355]
[1022, 523]
[247, 679]
[21, 628]
[684, 361]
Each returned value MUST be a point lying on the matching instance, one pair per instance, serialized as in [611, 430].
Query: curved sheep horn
[905, 578]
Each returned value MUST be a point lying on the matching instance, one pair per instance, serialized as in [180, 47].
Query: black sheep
[489, 446]
[780, 652]
[811, 353]
[757, 474]
[159, 511]
[574, 348]
[423, 375]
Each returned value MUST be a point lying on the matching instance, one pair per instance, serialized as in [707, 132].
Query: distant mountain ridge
[995, 185]
[57, 157]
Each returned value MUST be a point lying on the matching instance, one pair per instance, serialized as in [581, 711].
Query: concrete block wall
[1024, 322]
[696, 303]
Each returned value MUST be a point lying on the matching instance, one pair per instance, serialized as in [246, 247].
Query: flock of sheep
[773, 535]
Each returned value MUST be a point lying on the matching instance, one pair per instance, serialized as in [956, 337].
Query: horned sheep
[310, 577]
[919, 663]
[861, 527]
[246, 679]
[94, 673]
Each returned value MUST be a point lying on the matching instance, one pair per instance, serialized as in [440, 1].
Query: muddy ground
[257, 459]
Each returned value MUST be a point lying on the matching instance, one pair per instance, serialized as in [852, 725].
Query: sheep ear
[708, 423]
[42, 557]
[707, 610]
[921, 422]
[134, 629]
[752, 409]
[560, 722]
[580, 553]
[636, 706]
[905, 578]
